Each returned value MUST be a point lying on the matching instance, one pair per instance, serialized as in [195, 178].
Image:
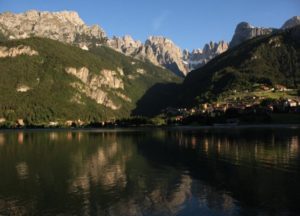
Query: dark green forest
[50, 95]
[269, 60]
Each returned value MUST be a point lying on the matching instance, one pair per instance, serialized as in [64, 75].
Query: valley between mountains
[55, 70]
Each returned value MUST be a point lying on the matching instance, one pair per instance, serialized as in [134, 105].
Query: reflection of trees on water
[273, 149]
[258, 153]
[93, 170]
[2, 139]
[258, 168]
[89, 173]
[147, 173]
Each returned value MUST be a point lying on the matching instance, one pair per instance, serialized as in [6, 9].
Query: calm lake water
[250, 171]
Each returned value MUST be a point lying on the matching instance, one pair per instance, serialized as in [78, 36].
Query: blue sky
[189, 23]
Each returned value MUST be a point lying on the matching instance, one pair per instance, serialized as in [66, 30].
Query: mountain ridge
[68, 27]
[245, 31]
[44, 80]
[266, 60]
[65, 26]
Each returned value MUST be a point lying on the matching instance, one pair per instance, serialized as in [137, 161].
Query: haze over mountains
[68, 27]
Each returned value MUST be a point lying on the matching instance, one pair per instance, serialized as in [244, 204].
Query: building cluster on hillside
[249, 105]
[278, 88]
[235, 105]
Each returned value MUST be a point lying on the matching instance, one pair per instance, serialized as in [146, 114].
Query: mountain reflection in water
[150, 172]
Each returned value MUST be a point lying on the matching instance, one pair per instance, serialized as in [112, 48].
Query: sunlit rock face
[163, 52]
[158, 50]
[16, 51]
[96, 86]
[199, 57]
[68, 27]
[23, 88]
[106, 78]
[126, 44]
[65, 26]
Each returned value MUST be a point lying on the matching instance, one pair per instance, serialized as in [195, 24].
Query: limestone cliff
[199, 57]
[94, 85]
[65, 26]
[244, 31]
[16, 51]
[68, 27]
[163, 52]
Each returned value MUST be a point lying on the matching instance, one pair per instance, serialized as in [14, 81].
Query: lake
[205, 171]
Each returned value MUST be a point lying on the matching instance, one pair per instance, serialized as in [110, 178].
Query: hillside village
[265, 100]
[238, 108]
[103, 87]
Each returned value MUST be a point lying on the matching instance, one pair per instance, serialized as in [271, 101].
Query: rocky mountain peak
[185, 52]
[32, 14]
[217, 48]
[209, 46]
[163, 45]
[64, 16]
[65, 26]
[245, 31]
[129, 41]
[294, 21]
[222, 47]
[197, 51]
[163, 51]
[126, 44]
[71, 16]
[68, 27]
[159, 40]
[199, 57]
[243, 25]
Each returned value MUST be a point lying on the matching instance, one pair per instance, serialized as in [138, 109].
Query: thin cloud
[160, 20]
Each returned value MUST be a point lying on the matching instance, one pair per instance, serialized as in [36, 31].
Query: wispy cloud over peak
[159, 21]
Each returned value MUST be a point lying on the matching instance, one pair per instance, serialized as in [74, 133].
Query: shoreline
[143, 128]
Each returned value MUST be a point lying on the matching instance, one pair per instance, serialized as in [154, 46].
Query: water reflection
[53, 136]
[210, 172]
[238, 147]
[2, 139]
[20, 138]
[99, 169]
[22, 170]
